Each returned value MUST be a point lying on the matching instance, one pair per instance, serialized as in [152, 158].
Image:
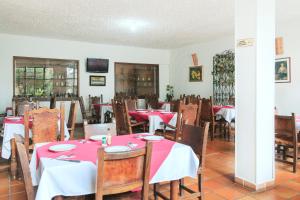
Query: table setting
[52, 161]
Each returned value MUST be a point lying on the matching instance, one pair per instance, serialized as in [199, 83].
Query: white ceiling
[146, 23]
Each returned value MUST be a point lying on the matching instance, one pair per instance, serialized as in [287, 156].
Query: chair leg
[200, 185]
[212, 133]
[181, 182]
[154, 191]
[295, 158]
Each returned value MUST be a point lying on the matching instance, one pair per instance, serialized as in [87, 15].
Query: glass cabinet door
[136, 79]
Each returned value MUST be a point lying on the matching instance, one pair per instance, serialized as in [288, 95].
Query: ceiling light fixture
[133, 24]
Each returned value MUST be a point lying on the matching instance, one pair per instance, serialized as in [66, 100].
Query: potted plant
[169, 93]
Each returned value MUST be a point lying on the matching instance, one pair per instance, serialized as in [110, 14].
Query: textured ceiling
[146, 23]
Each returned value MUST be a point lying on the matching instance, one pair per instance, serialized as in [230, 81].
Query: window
[43, 77]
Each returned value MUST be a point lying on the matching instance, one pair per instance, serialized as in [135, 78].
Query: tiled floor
[218, 179]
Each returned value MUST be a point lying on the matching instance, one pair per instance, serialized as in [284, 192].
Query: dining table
[226, 112]
[156, 118]
[76, 174]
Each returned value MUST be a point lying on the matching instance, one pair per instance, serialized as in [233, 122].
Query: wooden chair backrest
[44, 124]
[52, 102]
[20, 107]
[72, 118]
[187, 114]
[207, 113]
[93, 100]
[24, 161]
[152, 100]
[126, 116]
[131, 104]
[82, 108]
[120, 116]
[286, 125]
[174, 105]
[196, 138]
[192, 99]
[123, 172]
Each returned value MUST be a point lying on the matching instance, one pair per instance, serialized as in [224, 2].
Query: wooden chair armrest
[138, 124]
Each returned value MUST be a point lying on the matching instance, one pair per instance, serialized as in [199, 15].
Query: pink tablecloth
[218, 108]
[144, 116]
[9, 120]
[88, 151]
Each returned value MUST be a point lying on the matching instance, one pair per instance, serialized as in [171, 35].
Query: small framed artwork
[283, 70]
[97, 80]
[195, 74]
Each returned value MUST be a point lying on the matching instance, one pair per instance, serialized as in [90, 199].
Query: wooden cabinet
[136, 79]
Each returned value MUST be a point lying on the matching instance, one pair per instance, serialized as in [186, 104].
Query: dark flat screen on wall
[95, 65]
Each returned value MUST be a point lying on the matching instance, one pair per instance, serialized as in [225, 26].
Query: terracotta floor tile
[247, 198]
[230, 193]
[268, 195]
[285, 192]
[213, 196]
[292, 185]
[296, 198]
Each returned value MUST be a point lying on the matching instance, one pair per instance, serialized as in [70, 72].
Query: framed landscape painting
[195, 74]
[283, 70]
[97, 80]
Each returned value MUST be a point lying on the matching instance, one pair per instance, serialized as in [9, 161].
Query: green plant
[169, 93]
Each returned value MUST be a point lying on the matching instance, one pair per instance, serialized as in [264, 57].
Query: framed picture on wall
[195, 74]
[283, 70]
[97, 80]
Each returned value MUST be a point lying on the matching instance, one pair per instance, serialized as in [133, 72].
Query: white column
[254, 163]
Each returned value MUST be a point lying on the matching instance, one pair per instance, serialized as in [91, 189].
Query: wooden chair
[286, 138]
[72, 119]
[86, 115]
[123, 172]
[123, 123]
[20, 107]
[196, 138]
[174, 105]
[207, 115]
[52, 102]
[187, 114]
[131, 104]
[24, 162]
[152, 101]
[44, 125]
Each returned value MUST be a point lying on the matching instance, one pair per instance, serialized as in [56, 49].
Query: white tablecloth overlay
[55, 177]
[103, 110]
[226, 113]
[155, 122]
[166, 107]
[10, 129]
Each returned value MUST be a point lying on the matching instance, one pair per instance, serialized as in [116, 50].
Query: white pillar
[254, 163]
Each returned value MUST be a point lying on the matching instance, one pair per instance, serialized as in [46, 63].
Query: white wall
[287, 95]
[181, 60]
[13, 45]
